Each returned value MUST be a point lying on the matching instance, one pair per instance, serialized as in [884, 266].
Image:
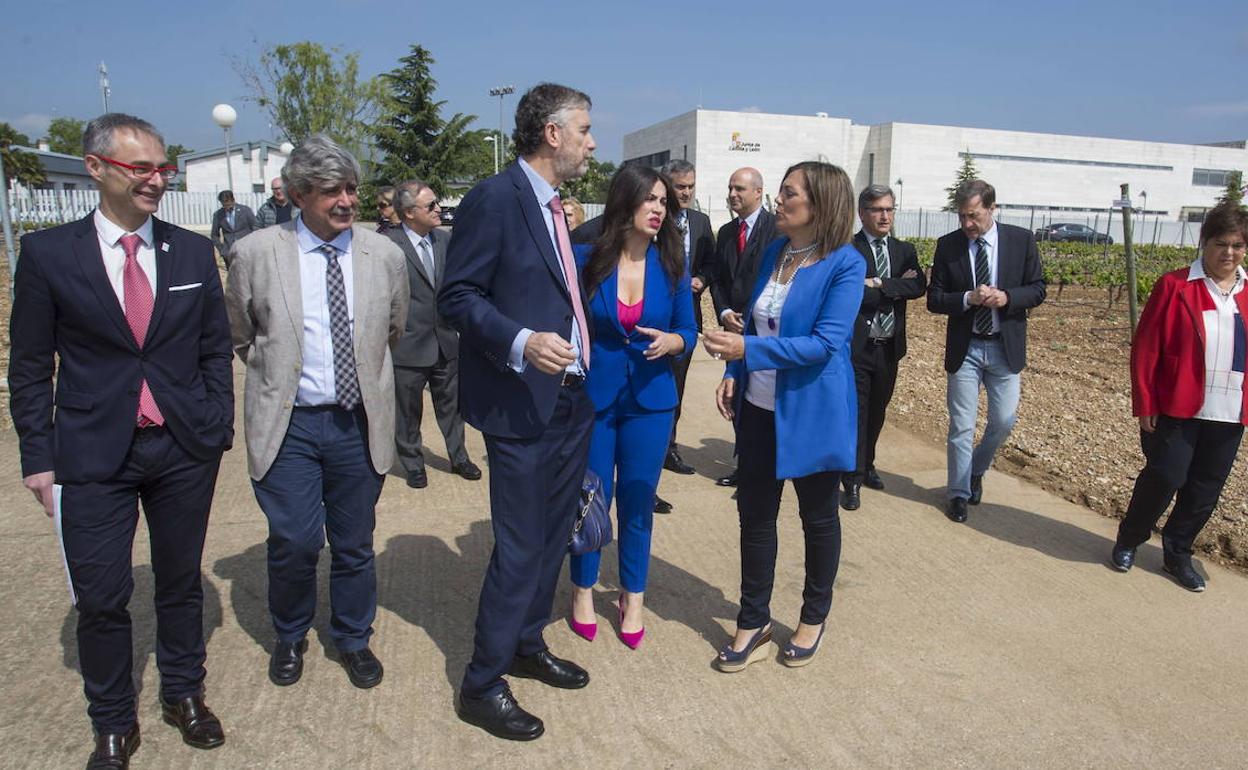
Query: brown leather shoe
[113, 750]
[199, 726]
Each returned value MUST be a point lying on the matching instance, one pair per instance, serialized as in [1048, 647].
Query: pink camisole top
[629, 315]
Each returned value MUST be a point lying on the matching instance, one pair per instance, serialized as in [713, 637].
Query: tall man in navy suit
[512, 291]
[127, 312]
[986, 276]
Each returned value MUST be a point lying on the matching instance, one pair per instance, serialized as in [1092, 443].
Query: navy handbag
[593, 519]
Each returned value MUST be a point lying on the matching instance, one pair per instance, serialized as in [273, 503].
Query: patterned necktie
[139, 302]
[426, 259]
[346, 385]
[983, 276]
[569, 274]
[884, 318]
[741, 233]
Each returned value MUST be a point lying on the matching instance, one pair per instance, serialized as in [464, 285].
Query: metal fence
[40, 208]
[1146, 229]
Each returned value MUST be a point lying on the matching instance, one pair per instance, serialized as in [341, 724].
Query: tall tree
[412, 135]
[65, 135]
[966, 173]
[172, 152]
[592, 187]
[1234, 192]
[21, 166]
[307, 89]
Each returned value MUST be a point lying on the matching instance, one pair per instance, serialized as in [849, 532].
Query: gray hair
[678, 167]
[97, 137]
[872, 193]
[544, 103]
[319, 160]
[975, 188]
[405, 195]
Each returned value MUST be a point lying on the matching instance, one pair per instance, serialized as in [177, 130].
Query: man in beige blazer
[314, 306]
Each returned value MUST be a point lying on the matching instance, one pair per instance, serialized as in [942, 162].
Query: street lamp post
[225, 116]
[901, 188]
[493, 140]
[501, 92]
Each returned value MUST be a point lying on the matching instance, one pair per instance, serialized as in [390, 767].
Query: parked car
[1068, 231]
[448, 216]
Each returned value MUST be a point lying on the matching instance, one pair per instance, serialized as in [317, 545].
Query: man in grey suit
[315, 305]
[231, 223]
[428, 351]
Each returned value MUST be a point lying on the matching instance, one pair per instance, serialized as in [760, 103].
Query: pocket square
[186, 286]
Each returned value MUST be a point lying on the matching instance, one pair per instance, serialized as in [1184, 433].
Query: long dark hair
[629, 188]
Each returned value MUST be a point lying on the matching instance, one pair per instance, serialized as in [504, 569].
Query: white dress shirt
[316, 381]
[1224, 386]
[971, 250]
[109, 235]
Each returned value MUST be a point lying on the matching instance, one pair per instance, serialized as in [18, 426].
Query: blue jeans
[984, 363]
[627, 451]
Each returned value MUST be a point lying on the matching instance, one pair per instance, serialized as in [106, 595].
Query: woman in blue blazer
[789, 386]
[641, 312]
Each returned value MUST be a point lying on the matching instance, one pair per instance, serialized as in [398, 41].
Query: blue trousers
[627, 451]
[984, 364]
[322, 483]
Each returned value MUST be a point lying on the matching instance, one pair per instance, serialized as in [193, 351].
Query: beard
[570, 165]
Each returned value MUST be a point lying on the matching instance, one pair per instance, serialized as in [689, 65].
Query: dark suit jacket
[893, 292]
[502, 276]
[588, 232]
[425, 333]
[734, 274]
[223, 236]
[67, 320]
[1019, 274]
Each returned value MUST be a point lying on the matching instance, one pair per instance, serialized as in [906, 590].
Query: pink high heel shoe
[630, 638]
[586, 631]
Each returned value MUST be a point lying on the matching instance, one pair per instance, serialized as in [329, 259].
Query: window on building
[257, 188]
[653, 160]
[1209, 177]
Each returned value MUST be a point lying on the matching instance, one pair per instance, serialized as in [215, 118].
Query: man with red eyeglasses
[127, 311]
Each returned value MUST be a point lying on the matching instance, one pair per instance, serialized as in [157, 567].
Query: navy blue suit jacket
[67, 321]
[618, 357]
[502, 275]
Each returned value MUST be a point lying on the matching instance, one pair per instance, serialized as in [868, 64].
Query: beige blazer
[265, 304]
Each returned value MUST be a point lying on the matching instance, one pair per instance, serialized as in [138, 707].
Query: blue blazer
[618, 360]
[502, 275]
[816, 402]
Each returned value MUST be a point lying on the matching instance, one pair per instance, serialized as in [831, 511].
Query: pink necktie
[569, 274]
[138, 294]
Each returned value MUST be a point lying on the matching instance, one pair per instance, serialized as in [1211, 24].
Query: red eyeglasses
[143, 171]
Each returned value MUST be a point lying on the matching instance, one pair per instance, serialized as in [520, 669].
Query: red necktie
[741, 236]
[569, 274]
[138, 294]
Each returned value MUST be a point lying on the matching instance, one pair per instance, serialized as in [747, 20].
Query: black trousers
[534, 488]
[409, 386]
[758, 504]
[875, 376]
[98, 521]
[680, 368]
[1190, 457]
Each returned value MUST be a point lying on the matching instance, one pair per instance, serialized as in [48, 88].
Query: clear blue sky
[1167, 71]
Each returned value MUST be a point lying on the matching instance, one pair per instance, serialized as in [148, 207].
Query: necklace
[772, 310]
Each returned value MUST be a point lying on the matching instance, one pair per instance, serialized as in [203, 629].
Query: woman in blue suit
[641, 310]
[789, 386]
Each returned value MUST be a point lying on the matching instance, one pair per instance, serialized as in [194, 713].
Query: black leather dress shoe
[286, 662]
[363, 668]
[661, 505]
[727, 481]
[1122, 558]
[852, 497]
[977, 489]
[872, 479]
[548, 669]
[112, 750]
[1186, 576]
[199, 726]
[418, 479]
[676, 464]
[956, 510]
[501, 716]
[467, 469]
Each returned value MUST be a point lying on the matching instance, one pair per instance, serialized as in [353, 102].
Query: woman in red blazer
[1187, 390]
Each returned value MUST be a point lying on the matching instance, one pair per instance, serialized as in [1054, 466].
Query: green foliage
[966, 173]
[174, 150]
[65, 135]
[22, 166]
[592, 187]
[308, 89]
[414, 138]
[1234, 192]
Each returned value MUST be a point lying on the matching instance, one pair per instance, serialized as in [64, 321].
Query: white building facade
[1052, 175]
[253, 164]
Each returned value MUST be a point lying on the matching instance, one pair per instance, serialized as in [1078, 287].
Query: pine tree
[413, 137]
[965, 174]
[1234, 192]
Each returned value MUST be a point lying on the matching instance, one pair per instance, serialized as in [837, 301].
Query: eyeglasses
[432, 205]
[143, 170]
[881, 209]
